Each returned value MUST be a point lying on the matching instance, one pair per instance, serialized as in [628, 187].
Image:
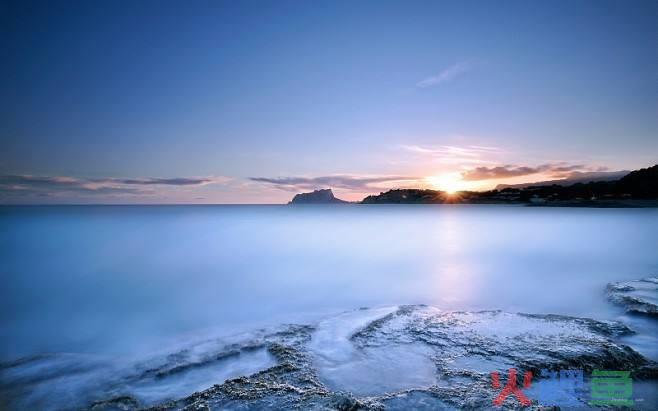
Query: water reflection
[453, 274]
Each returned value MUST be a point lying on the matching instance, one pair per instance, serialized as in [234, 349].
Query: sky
[254, 101]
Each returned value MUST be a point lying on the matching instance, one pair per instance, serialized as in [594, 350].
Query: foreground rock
[407, 357]
[463, 348]
[637, 296]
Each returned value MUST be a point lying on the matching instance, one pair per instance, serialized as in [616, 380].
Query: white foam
[180, 385]
[331, 340]
[370, 370]
[63, 381]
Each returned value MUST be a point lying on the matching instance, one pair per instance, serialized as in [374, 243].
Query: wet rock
[406, 357]
[464, 348]
[469, 345]
[416, 400]
[637, 296]
[291, 383]
[122, 403]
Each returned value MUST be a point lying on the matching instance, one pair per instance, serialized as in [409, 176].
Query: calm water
[123, 281]
[120, 279]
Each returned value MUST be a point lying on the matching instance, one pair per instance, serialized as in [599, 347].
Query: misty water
[95, 289]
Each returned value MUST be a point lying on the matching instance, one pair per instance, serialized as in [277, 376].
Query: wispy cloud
[52, 185]
[467, 151]
[177, 181]
[446, 75]
[559, 170]
[347, 182]
[471, 154]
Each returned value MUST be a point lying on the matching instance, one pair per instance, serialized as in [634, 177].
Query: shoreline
[565, 204]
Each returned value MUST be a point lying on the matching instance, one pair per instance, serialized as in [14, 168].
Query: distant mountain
[325, 196]
[578, 177]
[641, 183]
[406, 196]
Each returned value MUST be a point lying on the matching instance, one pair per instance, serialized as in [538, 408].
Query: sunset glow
[449, 182]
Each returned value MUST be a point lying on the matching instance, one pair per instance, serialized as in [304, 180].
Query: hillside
[325, 196]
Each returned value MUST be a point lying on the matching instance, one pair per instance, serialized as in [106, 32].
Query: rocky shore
[398, 357]
[462, 348]
[638, 296]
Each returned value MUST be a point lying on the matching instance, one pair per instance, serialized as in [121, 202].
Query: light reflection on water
[453, 270]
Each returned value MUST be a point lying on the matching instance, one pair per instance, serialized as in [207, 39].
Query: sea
[87, 292]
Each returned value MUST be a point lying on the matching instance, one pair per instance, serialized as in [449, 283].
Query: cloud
[50, 185]
[445, 75]
[559, 170]
[347, 182]
[455, 154]
[467, 151]
[180, 181]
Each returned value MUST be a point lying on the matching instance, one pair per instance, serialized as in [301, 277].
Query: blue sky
[243, 102]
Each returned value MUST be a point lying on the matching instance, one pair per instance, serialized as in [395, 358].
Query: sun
[448, 182]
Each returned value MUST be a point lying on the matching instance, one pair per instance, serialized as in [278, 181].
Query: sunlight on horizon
[450, 183]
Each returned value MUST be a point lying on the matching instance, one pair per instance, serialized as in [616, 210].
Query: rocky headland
[325, 196]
